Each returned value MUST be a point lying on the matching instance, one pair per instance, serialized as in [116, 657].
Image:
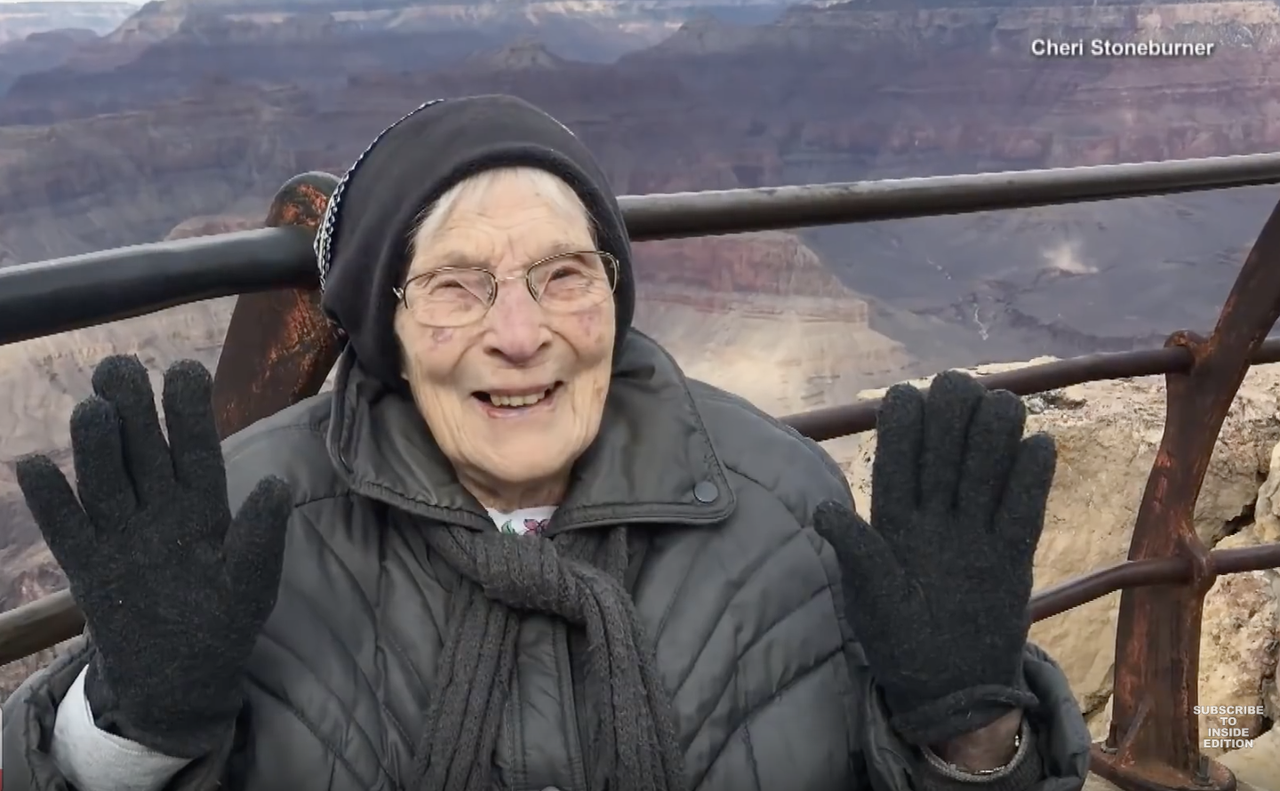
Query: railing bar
[64, 294]
[1143, 573]
[839, 421]
[38, 625]
[49, 297]
[683, 214]
[1128, 574]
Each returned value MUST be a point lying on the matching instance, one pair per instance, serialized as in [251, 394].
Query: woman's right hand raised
[174, 589]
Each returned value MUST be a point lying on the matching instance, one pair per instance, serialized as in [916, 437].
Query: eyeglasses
[457, 296]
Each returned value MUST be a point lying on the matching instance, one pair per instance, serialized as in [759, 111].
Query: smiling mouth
[516, 400]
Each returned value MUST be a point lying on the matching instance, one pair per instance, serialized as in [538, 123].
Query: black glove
[174, 591]
[937, 586]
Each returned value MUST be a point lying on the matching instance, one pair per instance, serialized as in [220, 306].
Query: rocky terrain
[40, 51]
[1107, 434]
[759, 315]
[39, 36]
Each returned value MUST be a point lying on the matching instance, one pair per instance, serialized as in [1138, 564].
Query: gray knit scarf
[577, 576]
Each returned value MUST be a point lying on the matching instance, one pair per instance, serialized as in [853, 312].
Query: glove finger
[63, 523]
[953, 398]
[992, 447]
[874, 581]
[861, 551]
[1020, 518]
[896, 469]
[839, 525]
[101, 476]
[193, 435]
[122, 380]
[254, 547]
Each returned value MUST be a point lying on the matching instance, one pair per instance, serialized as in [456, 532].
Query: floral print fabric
[523, 520]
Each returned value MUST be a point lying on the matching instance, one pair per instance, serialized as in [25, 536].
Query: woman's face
[463, 379]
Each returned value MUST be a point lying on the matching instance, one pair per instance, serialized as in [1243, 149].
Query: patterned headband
[323, 244]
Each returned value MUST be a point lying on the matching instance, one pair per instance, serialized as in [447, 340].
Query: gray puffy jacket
[770, 691]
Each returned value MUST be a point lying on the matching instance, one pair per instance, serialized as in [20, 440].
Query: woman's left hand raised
[937, 585]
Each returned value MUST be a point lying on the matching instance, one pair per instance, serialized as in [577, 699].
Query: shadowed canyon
[186, 117]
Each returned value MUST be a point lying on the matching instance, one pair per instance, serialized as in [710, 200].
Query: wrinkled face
[515, 398]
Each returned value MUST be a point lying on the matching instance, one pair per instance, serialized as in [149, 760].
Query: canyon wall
[191, 115]
[19, 20]
[105, 157]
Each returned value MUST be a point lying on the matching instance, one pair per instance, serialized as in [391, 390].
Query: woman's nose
[517, 326]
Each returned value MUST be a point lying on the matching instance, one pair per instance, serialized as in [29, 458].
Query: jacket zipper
[579, 708]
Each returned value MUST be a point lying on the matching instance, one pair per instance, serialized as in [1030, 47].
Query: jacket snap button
[706, 492]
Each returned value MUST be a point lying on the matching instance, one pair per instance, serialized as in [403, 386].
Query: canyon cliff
[117, 156]
[20, 20]
[189, 116]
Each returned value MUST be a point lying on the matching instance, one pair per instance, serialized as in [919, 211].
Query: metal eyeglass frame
[402, 292]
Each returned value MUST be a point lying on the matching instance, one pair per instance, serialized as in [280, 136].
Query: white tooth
[518, 401]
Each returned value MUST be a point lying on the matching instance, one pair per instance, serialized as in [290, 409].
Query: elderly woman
[515, 548]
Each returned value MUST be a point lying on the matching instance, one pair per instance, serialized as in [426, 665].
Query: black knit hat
[363, 244]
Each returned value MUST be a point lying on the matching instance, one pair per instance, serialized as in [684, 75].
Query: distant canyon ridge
[204, 107]
[185, 116]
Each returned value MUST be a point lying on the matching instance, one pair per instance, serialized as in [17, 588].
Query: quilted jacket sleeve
[95, 760]
[30, 716]
[1057, 758]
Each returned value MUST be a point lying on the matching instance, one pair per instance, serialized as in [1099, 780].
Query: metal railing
[279, 349]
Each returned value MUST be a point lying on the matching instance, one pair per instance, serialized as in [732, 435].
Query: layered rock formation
[22, 19]
[115, 157]
[40, 51]
[760, 316]
[167, 49]
[645, 21]
[919, 66]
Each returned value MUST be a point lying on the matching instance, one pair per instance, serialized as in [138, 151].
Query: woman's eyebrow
[453, 258]
[457, 258]
[564, 248]
[461, 260]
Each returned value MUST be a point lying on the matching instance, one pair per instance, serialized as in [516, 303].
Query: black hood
[363, 244]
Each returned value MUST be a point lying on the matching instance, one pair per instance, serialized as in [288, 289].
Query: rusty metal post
[279, 346]
[1154, 742]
